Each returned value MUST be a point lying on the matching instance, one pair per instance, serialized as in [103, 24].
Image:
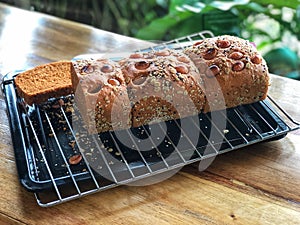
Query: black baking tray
[247, 124]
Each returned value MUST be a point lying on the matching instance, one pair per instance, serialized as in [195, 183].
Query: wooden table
[259, 184]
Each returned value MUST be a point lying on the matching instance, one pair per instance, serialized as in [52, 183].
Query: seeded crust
[162, 86]
[100, 95]
[233, 71]
[46, 81]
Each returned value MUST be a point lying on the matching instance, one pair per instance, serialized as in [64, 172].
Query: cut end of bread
[46, 81]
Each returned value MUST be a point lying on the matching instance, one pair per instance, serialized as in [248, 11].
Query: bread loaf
[212, 74]
[46, 81]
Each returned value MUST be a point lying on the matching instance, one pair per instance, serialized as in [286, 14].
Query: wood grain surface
[259, 184]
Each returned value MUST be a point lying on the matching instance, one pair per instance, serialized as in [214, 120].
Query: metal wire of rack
[243, 132]
[45, 139]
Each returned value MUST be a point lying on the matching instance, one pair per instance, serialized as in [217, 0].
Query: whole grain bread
[212, 74]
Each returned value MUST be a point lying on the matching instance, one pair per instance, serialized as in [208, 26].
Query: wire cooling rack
[46, 142]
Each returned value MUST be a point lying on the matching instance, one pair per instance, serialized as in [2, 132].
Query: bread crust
[100, 95]
[233, 71]
[162, 86]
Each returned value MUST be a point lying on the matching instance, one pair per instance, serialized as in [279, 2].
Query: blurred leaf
[61, 8]
[150, 16]
[226, 5]
[191, 25]
[96, 12]
[157, 28]
[252, 7]
[279, 3]
[297, 24]
[161, 3]
[263, 44]
[176, 5]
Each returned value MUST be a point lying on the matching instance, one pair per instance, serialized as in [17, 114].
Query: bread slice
[39, 84]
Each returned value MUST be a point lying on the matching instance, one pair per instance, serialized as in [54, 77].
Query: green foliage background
[266, 22]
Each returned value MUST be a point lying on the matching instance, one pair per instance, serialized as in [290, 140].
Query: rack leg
[205, 163]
